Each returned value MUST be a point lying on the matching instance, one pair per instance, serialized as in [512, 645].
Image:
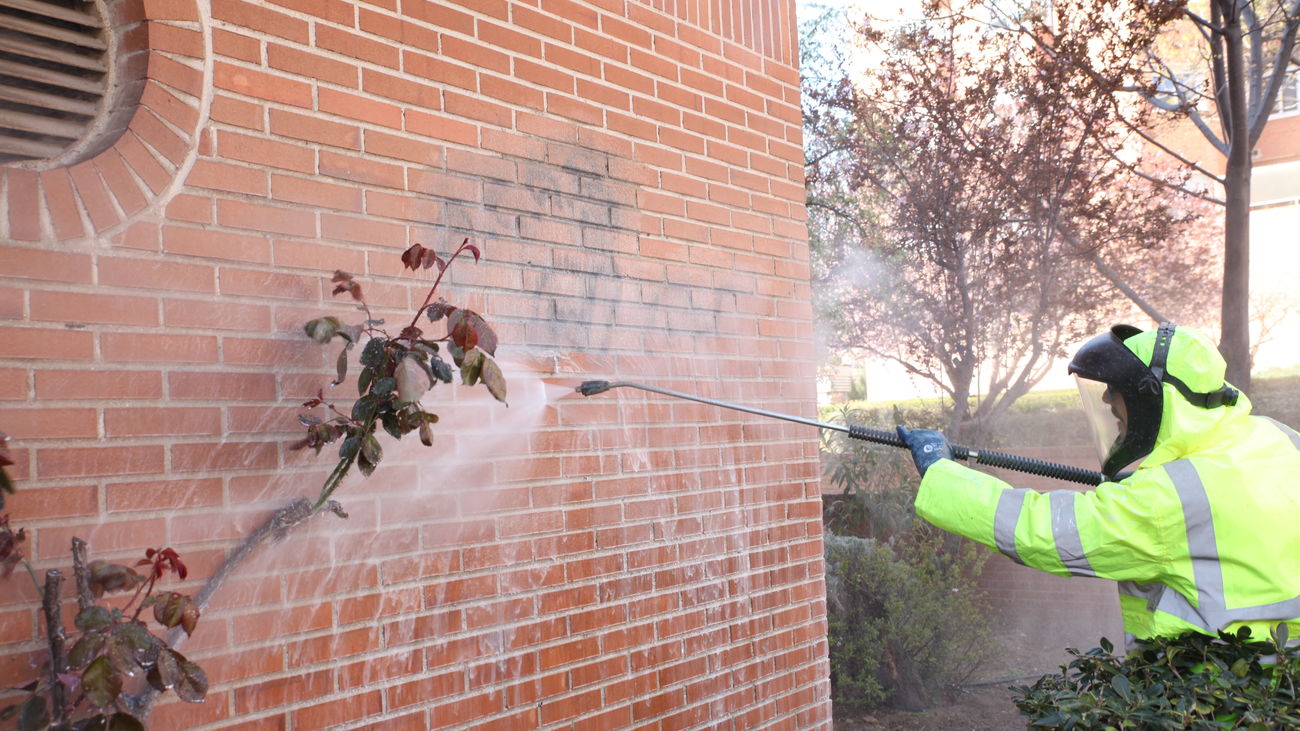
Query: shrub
[1278, 397]
[905, 618]
[874, 501]
[904, 615]
[1189, 682]
[858, 387]
[878, 513]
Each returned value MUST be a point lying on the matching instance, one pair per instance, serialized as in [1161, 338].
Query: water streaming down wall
[633, 175]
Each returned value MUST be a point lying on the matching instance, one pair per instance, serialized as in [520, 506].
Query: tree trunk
[1234, 340]
[960, 403]
[963, 379]
[1234, 320]
[910, 693]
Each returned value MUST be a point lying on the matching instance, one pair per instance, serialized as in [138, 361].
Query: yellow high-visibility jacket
[1204, 536]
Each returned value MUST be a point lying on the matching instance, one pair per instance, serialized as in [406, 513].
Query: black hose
[887, 437]
[1033, 466]
[988, 457]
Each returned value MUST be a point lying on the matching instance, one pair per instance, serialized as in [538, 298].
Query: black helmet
[1107, 360]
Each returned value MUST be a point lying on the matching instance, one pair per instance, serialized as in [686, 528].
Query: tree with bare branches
[960, 194]
[1216, 65]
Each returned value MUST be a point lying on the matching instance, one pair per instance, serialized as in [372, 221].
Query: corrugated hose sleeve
[993, 459]
[1032, 466]
[879, 436]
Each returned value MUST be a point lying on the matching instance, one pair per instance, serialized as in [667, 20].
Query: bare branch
[276, 528]
[847, 216]
[1219, 77]
[1192, 114]
[822, 156]
[1256, 69]
[1162, 69]
[1161, 104]
[81, 572]
[1203, 23]
[1135, 129]
[1215, 140]
[55, 637]
[1180, 89]
[1123, 286]
[1259, 116]
[1204, 127]
[1178, 188]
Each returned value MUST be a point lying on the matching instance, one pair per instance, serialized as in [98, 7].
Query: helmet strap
[1164, 338]
[1225, 395]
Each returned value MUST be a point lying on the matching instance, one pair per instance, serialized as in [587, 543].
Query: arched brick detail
[165, 45]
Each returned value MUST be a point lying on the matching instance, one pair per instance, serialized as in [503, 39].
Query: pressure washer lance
[877, 436]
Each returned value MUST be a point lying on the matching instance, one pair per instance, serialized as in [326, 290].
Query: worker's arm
[1115, 531]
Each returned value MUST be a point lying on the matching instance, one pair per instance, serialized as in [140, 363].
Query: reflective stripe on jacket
[1205, 535]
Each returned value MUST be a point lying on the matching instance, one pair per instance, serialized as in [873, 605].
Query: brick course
[633, 175]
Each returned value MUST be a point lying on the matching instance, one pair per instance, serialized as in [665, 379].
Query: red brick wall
[632, 173]
[1278, 141]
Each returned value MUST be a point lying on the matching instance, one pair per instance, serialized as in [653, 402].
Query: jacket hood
[1184, 427]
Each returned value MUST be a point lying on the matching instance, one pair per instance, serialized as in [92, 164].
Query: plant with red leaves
[6, 460]
[396, 371]
[87, 686]
[11, 552]
[163, 560]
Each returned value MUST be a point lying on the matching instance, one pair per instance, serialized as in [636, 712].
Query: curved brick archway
[137, 173]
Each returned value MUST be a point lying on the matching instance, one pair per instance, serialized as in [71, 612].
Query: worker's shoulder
[1268, 423]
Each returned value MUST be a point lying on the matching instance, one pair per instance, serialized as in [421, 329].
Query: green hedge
[1188, 682]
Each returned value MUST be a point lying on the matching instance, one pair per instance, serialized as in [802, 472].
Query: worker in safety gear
[1203, 535]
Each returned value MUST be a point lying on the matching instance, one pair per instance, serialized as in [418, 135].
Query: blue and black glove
[928, 446]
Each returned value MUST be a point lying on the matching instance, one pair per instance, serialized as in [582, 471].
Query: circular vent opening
[53, 75]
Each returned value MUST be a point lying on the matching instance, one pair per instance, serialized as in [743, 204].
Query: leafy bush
[1041, 419]
[905, 618]
[878, 514]
[858, 387]
[1189, 682]
[116, 661]
[874, 501]
[857, 466]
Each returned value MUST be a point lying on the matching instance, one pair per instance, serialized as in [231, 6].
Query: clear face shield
[1106, 414]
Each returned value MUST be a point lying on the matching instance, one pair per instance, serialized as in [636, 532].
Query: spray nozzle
[591, 388]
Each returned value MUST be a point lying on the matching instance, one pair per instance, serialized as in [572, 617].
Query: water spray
[875, 436]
